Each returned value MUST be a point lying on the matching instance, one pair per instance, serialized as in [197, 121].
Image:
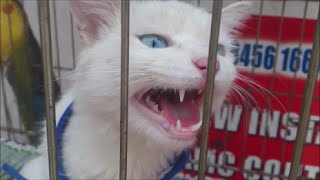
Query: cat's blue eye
[221, 50]
[153, 41]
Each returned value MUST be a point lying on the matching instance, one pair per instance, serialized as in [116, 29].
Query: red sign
[256, 131]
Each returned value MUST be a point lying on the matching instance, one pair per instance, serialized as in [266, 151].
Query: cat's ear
[92, 15]
[234, 15]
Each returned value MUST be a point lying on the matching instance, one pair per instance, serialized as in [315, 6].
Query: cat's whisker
[246, 106]
[235, 93]
[263, 91]
[245, 92]
[252, 84]
[250, 79]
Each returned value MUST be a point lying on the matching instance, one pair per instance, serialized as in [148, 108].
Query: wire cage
[274, 23]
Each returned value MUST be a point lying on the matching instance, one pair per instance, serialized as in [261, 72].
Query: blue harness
[181, 160]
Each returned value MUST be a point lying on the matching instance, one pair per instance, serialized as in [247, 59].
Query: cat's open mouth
[176, 112]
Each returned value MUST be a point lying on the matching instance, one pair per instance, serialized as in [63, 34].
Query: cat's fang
[178, 125]
[200, 91]
[155, 108]
[149, 102]
[181, 94]
[196, 126]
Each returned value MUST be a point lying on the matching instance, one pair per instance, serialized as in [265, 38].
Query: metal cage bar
[72, 44]
[251, 88]
[125, 6]
[291, 95]
[214, 37]
[45, 36]
[56, 33]
[307, 100]
[2, 88]
[272, 82]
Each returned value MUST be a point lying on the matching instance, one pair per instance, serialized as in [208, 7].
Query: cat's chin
[176, 113]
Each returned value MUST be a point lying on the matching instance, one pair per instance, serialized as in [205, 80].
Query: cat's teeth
[178, 125]
[155, 108]
[200, 91]
[149, 102]
[181, 94]
[196, 126]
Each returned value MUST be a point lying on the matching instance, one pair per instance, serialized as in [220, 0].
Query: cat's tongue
[187, 112]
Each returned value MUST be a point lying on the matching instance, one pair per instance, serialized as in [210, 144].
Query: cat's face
[169, 43]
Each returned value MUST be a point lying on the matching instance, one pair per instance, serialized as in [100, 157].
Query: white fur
[91, 141]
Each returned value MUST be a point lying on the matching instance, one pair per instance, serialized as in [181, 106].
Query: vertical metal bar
[250, 76]
[307, 100]
[124, 87]
[1, 81]
[72, 44]
[6, 108]
[253, 61]
[214, 37]
[271, 84]
[56, 33]
[3, 90]
[291, 95]
[45, 34]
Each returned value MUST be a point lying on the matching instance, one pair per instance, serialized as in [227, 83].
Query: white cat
[169, 43]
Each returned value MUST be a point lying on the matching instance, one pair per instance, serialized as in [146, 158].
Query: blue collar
[181, 160]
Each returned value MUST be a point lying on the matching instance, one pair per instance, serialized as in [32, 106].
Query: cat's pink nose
[202, 64]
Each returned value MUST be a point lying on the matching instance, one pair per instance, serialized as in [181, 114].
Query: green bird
[21, 55]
